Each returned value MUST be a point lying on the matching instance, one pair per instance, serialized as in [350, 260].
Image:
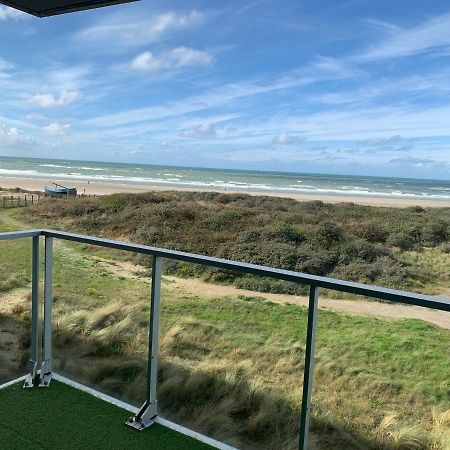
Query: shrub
[262, 284]
[222, 220]
[372, 231]
[328, 235]
[435, 232]
[269, 253]
[360, 249]
[384, 271]
[315, 261]
[401, 240]
[282, 233]
[416, 209]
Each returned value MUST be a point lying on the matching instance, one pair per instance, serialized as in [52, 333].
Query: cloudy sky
[354, 86]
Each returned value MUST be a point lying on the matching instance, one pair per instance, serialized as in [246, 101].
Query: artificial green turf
[63, 418]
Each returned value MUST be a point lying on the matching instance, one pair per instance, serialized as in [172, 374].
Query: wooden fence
[14, 201]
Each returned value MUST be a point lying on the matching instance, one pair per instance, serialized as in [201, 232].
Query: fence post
[46, 367]
[33, 363]
[146, 415]
[309, 367]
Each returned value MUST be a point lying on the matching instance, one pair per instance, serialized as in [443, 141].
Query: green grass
[231, 367]
[62, 417]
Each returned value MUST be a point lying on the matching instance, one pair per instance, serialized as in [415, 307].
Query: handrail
[350, 287]
[19, 234]
[148, 413]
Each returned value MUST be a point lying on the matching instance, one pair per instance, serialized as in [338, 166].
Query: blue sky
[354, 87]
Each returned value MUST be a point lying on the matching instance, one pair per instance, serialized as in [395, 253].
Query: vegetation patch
[358, 243]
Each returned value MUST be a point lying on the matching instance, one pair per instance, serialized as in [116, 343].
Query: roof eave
[81, 6]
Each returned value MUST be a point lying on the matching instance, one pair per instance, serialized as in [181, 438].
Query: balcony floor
[62, 417]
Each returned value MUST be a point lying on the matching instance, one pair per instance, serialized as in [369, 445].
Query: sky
[346, 87]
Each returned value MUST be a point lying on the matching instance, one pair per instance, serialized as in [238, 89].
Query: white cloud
[5, 65]
[119, 31]
[213, 98]
[54, 101]
[285, 138]
[397, 139]
[35, 117]
[172, 59]
[56, 129]
[420, 163]
[8, 132]
[203, 131]
[11, 13]
[426, 37]
[13, 137]
[70, 78]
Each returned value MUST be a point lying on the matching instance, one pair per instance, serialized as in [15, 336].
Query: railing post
[46, 367]
[33, 363]
[309, 367]
[146, 415]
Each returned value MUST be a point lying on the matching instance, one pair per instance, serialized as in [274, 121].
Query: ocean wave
[97, 169]
[174, 180]
[51, 165]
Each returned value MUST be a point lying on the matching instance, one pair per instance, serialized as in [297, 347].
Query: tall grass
[232, 367]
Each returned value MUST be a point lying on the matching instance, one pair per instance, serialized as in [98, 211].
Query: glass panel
[232, 359]
[15, 306]
[100, 319]
[381, 379]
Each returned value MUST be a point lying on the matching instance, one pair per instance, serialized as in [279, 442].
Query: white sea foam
[185, 180]
[97, 169]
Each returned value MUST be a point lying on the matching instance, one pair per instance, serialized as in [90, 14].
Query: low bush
[435, 232]
[360, 249]
[312, 237]
[401, 240]
[261, 284]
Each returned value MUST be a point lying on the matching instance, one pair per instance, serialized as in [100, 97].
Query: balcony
[71, 416]
[55, 410]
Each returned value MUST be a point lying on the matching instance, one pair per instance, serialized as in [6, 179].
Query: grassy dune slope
[402, 248]
[231, 367]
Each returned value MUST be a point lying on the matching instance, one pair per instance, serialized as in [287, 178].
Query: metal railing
[41, 375]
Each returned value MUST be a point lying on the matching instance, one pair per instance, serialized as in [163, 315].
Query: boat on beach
[60, 191]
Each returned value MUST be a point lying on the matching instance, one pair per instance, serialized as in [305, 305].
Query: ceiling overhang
[45, 8]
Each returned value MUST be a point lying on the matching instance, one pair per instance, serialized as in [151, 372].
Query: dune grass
[231, 367]
[379, 384]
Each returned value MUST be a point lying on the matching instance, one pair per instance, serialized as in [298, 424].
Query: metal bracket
[46, 373]
[32, 377]
[144, 418]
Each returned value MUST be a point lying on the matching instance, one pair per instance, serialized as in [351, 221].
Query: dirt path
[357, 307]
[201, 288]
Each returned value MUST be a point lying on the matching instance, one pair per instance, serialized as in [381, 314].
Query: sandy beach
[99, 188]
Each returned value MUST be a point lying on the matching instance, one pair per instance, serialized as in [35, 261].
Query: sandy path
[99, 188]
[195, 286]
[357, 307]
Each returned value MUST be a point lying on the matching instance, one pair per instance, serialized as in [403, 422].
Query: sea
[224, 179]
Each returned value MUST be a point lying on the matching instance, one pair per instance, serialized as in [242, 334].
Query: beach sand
[99, 188]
